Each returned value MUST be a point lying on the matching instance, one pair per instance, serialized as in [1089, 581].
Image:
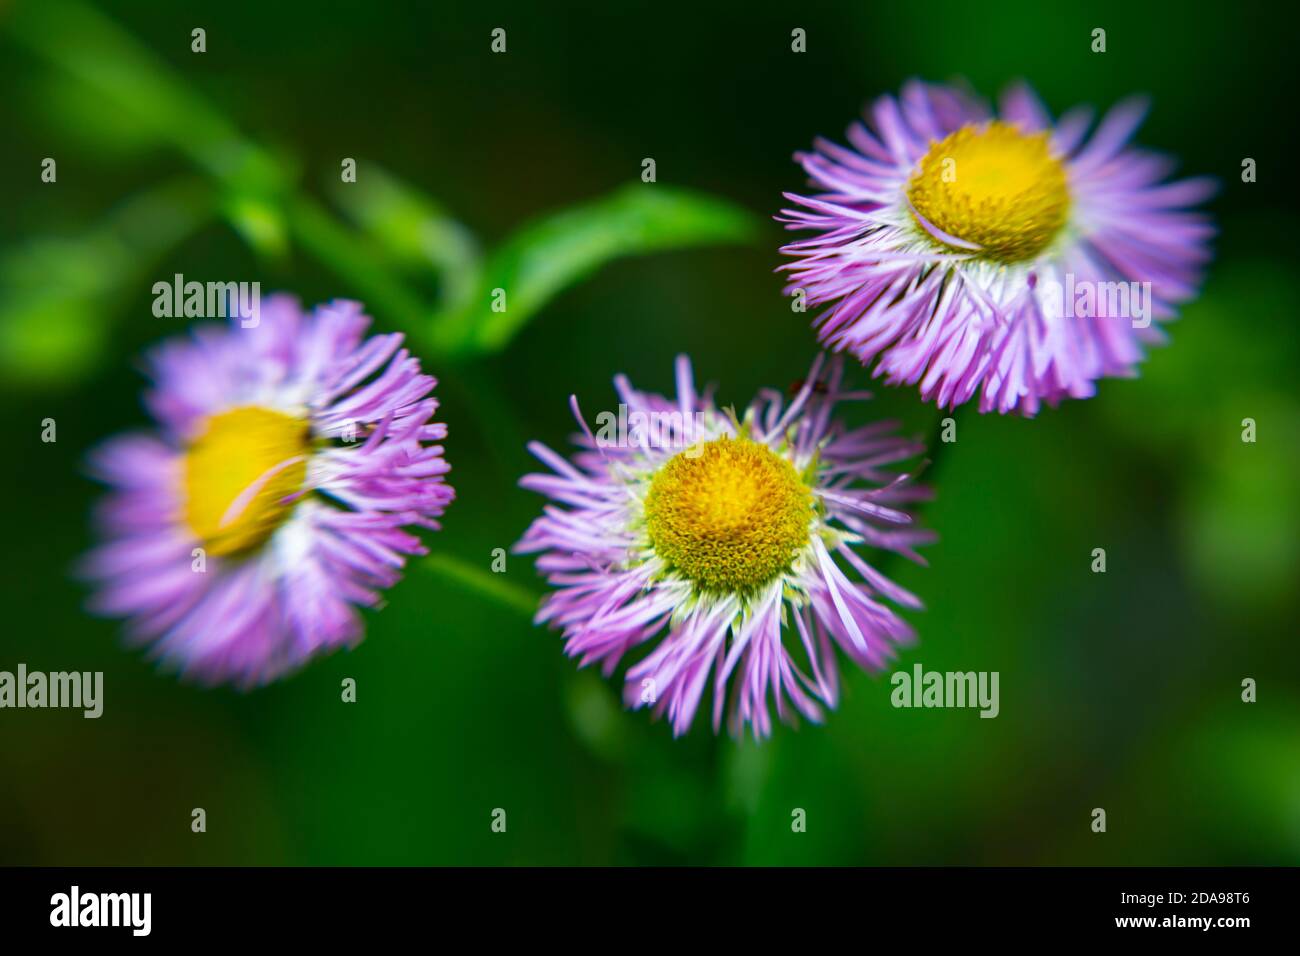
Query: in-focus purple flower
[291, 456]
[1009, 255]
[728, 543]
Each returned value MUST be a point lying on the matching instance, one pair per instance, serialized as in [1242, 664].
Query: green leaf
[548, 256]
[261, 222]
[401, 230]
[56, 295]
[88, 118]
[125, 76]
[137, 98]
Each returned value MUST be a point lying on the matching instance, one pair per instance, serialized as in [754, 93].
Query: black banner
[92, 905]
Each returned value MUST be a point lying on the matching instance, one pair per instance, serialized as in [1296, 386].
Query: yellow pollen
[994, 186]
[238, 474]
[729, 515]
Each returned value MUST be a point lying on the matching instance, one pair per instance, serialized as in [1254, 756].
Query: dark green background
[1119, 690]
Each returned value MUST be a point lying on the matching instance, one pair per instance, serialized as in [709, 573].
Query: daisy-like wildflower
[1003, 253]
[291, 456]
[732, 543]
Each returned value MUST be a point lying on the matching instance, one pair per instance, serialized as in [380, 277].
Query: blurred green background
[1119, 690]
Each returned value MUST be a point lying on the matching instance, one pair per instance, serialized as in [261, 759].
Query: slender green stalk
[483, 583]
[339, 249]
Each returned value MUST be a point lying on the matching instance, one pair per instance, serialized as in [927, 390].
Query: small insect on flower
[722, 538]
[292, 456]
[1006, 255]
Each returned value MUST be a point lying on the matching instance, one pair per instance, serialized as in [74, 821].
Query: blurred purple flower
[241, 539]
[1011, 256]
[723, 537]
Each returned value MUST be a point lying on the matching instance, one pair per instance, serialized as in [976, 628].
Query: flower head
[1001, 254]
[724, 540]
[291, 457]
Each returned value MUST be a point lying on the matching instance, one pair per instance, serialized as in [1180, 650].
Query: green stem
[337, 248]
[936, 448]
[484, 583]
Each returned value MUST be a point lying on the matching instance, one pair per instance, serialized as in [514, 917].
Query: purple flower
[292, 454]
[725, 541]
[1010, 255]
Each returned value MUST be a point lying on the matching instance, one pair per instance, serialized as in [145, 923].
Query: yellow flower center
[729, 515]
[994, 186]
[238, 475]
